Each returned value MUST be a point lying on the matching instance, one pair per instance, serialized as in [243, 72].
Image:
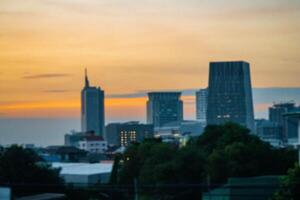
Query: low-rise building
[122, 134]
[93, 144]
[179, 132]
[62, 154]
[85, 174]
[73, 138]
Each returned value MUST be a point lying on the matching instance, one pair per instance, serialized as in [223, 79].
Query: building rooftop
[83, 168]
[46, 196]
[93, 138]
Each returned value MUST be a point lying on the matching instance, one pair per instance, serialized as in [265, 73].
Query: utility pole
[136, 195]
[208, 186]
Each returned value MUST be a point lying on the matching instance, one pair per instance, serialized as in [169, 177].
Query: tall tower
[164, 107]
[92, 108]
[230, 94]
[201, 105]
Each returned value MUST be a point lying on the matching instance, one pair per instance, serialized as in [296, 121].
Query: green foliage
[290, 185]
[221, 152]
[233, 152]
[21, 167]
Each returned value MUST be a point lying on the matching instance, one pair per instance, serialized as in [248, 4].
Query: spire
[87, 84]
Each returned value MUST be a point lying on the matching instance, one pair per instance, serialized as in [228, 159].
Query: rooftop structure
[84, 174]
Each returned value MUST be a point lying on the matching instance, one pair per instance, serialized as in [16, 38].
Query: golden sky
[136, 45]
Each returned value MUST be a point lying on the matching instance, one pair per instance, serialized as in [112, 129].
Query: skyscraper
[164, 107]
[92, 108]
[201, 105]
[230, 94]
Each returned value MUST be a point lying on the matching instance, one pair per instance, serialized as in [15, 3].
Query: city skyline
[131, 45]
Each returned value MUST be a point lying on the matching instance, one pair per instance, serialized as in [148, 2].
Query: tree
[233, 152]
[221, 152]
[21, 168]
[290, 185]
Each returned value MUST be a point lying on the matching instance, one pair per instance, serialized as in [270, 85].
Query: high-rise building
[289, 124]
[92, 108]
[122, 134]
[164, 107]
[201, 105]
[230, 94]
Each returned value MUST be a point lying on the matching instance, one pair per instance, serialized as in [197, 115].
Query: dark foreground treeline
[154, 170]
[205, 162]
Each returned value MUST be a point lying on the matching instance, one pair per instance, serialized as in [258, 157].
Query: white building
[83, 174]
[179, 132]
[93, 144]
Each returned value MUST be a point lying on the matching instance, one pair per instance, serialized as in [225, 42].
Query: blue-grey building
[164, 107]
[123, 134]
[288, 124]
[201, 105]
[230, 94]
[92, 109]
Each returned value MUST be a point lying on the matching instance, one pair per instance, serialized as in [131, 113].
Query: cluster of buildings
[228, 98]
[281, 128]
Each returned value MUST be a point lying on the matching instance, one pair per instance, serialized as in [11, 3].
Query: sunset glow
[133, 46]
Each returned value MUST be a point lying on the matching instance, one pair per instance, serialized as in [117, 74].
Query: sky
[133, 46]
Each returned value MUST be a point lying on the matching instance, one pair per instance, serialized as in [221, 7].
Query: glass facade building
[163, 108]
[201, 105]
[92, 109]
[230, 94]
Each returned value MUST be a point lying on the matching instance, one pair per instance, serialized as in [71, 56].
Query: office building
[230, 94]
[122, 134]
[201, 105]
[92, 109]
[269, 132]
[164, 107]
[289, 124]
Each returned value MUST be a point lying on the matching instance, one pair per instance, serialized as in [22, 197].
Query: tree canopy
[221, 152]
[290, 185]
[20, 168]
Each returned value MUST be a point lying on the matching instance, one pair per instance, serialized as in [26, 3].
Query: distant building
[269, 132]
[289, 124]
[201, 105]
[84, 174]
[179, 132]
[62, 154]
[164, 107]
[92, 109]
[230, 94]
[73, 138]
[93, 144]
[122, 134]
[186, 127]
